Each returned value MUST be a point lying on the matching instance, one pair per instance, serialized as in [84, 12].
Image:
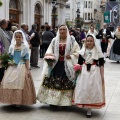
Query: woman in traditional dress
[57, 87]
[89, 90]
[115, 49]
[17, 85]
[94, 32]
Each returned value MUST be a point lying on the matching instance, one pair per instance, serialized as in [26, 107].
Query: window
[91, 15]
[84, 4]
[89, 4]
[88, 16]
[13, 4]
[14, 11]
[67, 5]
[85, 16]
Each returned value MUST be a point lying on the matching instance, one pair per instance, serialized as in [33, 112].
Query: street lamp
[78, 15]
[54, 15]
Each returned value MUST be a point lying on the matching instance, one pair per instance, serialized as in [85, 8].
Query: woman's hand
[10, 63]
[50, 63]
[68, 57]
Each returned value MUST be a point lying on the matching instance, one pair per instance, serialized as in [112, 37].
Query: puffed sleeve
[101, 61]
[80, 60]
[26, 57]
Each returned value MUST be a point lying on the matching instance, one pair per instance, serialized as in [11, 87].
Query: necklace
[89, 52]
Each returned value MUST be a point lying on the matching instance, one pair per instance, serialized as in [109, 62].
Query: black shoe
[53, 107]
[117, 61]
[35, 66]
[88, 116]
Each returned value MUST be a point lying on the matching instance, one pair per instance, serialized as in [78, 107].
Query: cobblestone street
[43, 112]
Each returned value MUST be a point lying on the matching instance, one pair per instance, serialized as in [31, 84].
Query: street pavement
[41, 111]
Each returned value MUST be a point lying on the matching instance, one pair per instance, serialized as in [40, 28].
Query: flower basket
[49, 59]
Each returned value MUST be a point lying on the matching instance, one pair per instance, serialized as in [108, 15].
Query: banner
[113, 8]
[106, 17]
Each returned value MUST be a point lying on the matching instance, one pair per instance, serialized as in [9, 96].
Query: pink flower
[49, 57]
[77, 67]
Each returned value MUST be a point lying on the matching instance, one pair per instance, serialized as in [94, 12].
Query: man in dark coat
[35, 42]
[104, 34]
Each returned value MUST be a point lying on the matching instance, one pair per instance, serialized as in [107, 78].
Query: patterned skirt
[57, 89]
[25, 96]
[115, 51]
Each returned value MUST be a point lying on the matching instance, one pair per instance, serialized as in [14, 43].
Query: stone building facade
[32, 11]
[90, 11]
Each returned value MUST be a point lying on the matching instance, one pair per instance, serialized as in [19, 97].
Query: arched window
[37, 16]
[14, 11]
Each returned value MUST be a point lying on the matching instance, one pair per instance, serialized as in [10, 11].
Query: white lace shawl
[96, 54]
[71, 49]
[24, 46]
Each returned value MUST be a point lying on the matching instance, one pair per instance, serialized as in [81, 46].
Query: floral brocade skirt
[57, 89]
[24, 96]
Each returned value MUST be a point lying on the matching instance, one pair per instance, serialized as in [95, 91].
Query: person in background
[82, 36]
[42, 30]
[35, 42]
[14, 28]
[104, 34]
[115, 49]
[9, 29]
[78, 36]
[24, 28]
[46, 24]
[94, 32]
[4, 37]
[73, 32]
[47, 38]
[53, 31]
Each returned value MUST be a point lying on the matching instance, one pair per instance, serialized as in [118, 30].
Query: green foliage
[68, 23]
[5, 59]
[79, 22]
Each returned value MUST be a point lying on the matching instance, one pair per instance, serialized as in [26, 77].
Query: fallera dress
[16, 87]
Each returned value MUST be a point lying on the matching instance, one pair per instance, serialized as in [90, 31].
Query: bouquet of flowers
[4, 58]
[50, 59]
[77, 69]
